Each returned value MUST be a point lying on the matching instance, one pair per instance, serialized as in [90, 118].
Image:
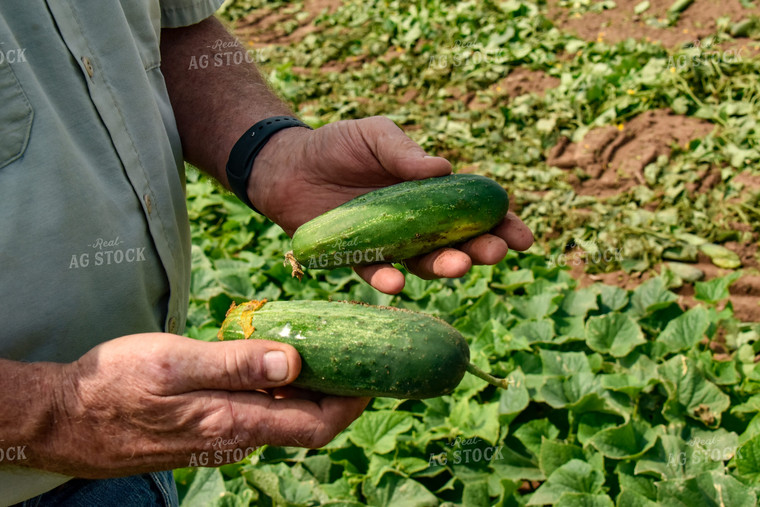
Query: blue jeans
[154, 489]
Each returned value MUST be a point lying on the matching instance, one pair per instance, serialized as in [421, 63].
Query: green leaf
[579, 392]
[716, 289]
[207, 486]
[394, 489]
[476, 420]
[628, 498]
[626, 383]
[511, 280]
[641, 7]
[591, 423]
[748, 459]
[612, 298]
[690, 393]
[535, 307]
[686, 272]
[614, 333]
[476, 493]
[516, 466]
[320, 466]
[672, 458]
[534, 331]
[641, 486]
[487, 307]
[377, 431]
[709, 488]
[686, 331]
[584, 500]
[280, 483]
[563, 363]
[580, 302]
[628, 441]
[515, 399]
[651, 295]
[568, 328]
[575, 476]
[554, 454]
[533, 433]
[721, 256]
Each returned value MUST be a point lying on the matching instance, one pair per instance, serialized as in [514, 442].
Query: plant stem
[494, 381]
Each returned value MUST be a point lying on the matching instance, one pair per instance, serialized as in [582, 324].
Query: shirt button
[88, 66]
[148, 203]
[172, 327]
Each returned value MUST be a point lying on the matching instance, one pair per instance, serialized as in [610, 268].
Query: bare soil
[265, 26]
[522, 81]
[744, 293]
[613, 157]
[614, 25]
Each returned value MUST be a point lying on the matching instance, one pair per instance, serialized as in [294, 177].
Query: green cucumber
[398, 222]
[353, 349]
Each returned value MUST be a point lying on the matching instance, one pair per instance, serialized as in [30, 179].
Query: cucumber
[353, 349]
[400, 221]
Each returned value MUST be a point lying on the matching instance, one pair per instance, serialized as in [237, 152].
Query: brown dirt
[744, 293]
[615, 25]
[265, 26]
[522, 81]
[744, 297]
[751, 182]
[614, 157]
[748, 190]
[706, 181]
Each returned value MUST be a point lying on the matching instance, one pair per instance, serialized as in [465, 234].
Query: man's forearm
[30, 397]
[214, 105]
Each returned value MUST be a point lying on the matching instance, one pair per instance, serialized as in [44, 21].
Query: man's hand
[300, 174]
[151, 401]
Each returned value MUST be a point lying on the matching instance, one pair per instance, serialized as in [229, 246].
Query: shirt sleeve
[177, 13]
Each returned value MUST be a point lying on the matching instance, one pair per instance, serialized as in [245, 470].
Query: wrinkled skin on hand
[153, 401]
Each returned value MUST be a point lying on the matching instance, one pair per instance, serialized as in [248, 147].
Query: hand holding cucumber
[301, 174]
[154, 401]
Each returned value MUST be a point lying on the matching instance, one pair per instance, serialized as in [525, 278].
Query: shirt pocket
[15, 116]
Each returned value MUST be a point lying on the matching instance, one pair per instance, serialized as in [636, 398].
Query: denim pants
[149, 490]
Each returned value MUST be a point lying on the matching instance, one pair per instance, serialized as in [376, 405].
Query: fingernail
[276, 365]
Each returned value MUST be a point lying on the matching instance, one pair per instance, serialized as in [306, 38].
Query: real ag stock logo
[12, 453]
[698, 54]
[13, 55]
[580, 252]
[222, 451]
[105, 252]
[341, 255]
[465, 52]
[226, 53]
[466, 451]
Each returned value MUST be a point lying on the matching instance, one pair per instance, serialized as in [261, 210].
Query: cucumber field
[627, 135]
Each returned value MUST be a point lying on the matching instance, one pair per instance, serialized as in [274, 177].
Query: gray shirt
[94, 240]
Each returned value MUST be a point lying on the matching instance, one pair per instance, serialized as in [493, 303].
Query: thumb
[398, 154]
[241, 365]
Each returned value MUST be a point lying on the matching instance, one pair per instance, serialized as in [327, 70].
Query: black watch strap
[243, 154]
